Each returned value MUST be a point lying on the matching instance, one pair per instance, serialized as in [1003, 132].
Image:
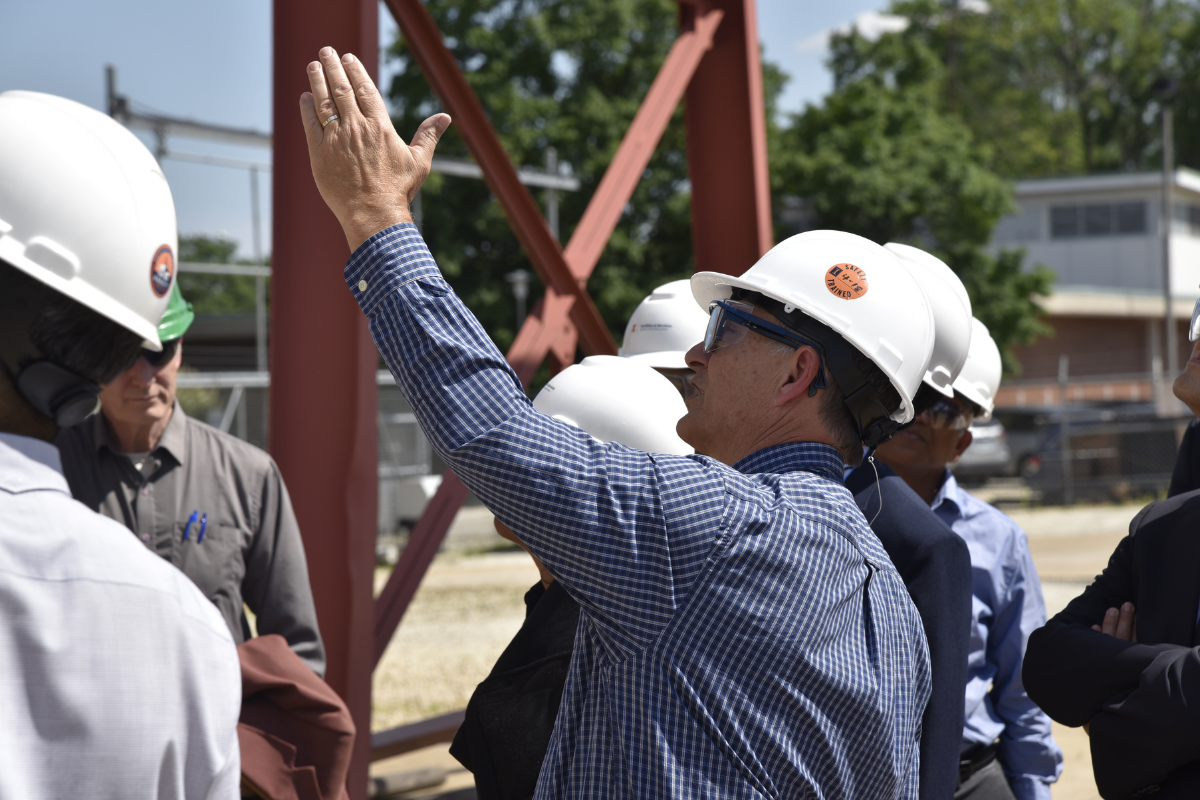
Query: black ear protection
[58, 393]
[872, 419]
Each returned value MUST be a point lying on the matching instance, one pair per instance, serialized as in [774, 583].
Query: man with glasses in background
[213, 505]
[1007, 749]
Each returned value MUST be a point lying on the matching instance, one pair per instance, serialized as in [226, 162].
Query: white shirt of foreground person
[117, 678]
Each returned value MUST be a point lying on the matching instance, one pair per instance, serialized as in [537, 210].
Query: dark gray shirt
[251, 551]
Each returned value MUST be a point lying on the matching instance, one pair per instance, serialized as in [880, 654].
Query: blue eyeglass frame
[763, 328]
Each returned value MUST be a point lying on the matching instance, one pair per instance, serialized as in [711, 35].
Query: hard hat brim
[709, 287]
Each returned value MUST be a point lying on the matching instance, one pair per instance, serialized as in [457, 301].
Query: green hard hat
[177, 318]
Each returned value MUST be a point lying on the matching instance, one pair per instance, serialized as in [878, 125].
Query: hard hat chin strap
[872, 419]
[58, 393]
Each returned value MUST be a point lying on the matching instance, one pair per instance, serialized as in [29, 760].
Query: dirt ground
[471, 603]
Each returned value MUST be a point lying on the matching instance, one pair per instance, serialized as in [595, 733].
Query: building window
[1064, 222]
[1097, 219]
[1187, 218]
[1131, 217]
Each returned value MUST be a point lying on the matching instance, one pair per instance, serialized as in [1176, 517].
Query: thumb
[426, 138]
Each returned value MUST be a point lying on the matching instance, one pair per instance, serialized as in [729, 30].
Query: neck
[925, 481]
[139, 438]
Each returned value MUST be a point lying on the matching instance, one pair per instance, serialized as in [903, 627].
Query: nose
[696, 358]
[141, 373]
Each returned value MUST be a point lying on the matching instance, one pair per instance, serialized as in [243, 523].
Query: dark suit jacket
[1186, 477]
[506, 731]
[1143, 698]
[936, 567]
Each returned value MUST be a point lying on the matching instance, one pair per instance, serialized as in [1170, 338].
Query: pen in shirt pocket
[191, 521]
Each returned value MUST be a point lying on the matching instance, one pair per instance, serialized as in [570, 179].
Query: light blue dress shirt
[1006, 607]
[742, 632]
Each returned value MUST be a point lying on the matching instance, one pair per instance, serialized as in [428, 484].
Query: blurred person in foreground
[1006, 747]
[742, 632]
[1123, 658]
[664, 326]
[211, 504]
[510, 716]
[117, 677]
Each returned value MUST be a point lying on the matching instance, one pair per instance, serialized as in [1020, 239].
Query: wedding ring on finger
[331, 119]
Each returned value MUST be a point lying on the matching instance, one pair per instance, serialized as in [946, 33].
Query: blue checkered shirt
[742, 632]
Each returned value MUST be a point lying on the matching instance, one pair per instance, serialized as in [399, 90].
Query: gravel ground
[470, 605]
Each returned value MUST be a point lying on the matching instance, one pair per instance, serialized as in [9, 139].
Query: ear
[964, 442]
[802, 368]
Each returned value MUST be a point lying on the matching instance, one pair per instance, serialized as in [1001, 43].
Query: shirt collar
[173, 439]
[43, 453]
[824, 460]
[948, 494]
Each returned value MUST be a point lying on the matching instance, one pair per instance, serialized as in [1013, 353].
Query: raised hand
[365, 172]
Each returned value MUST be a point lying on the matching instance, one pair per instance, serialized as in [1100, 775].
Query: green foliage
[568, 74]
[881, 159]
[1049, 86]
[215, 294]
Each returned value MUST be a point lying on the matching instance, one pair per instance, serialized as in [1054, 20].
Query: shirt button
[146, 489]
[145, 537]
[362, 286]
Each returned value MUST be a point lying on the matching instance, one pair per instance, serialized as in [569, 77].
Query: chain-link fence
[409, 471]
[1092, 453]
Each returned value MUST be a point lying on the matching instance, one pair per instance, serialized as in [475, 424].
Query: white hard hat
[664, 327]
[617, 400]
[980, 377]
[951, 314]
[86, 210]
[857, 289]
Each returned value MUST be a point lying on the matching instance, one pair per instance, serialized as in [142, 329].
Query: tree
[568, 74]
[1052, 86]
[215, 294]
[881, 159]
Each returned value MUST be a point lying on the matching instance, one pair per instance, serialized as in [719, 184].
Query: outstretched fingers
[369, 100]
[322, 101]
[340, 88]
[425, 140]
[312, 124]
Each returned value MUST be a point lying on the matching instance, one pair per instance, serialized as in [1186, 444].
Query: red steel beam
[727, 143]
[549, 328]
[437, 63]
[323, 395]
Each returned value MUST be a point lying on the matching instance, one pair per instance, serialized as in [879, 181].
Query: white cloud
[977, 6]
[870, 24]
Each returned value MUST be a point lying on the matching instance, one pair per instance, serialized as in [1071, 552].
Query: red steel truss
[323, 391]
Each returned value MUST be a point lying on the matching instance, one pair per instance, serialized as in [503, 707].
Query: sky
[212, 62]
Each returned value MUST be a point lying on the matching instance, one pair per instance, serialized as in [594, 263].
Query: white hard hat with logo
[951, 314]
[860, 293]
[980, 377]
[86, 210]
[664, 327]
[617, 400]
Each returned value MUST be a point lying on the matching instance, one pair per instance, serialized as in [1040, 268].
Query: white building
[1100, 234]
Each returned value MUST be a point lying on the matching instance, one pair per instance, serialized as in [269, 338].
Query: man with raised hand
[743, 633]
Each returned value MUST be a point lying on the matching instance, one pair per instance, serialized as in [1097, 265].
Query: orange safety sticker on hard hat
[846, 281]
[162, 270]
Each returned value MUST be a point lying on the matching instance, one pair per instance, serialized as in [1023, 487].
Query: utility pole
[1165, 90]
[552, 193]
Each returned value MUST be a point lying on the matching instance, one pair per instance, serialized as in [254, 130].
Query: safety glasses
[729, 321]
[945, 413]
[158, 359]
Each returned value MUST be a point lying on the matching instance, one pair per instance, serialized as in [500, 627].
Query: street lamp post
[519, 278]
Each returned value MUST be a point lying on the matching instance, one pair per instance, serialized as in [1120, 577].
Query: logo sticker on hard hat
[162, 270]
[846, 281]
